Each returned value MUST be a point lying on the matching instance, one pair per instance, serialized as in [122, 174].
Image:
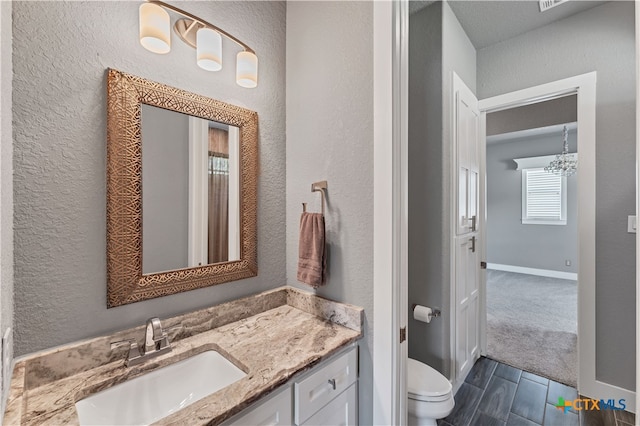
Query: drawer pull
[332, 382]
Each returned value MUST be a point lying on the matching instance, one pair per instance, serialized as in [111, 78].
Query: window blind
[543, 197]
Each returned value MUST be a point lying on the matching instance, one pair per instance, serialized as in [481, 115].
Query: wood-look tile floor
[495, 394]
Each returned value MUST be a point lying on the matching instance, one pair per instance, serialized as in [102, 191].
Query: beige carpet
[531, 324]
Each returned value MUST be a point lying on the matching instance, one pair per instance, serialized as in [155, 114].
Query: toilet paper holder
[436, 312]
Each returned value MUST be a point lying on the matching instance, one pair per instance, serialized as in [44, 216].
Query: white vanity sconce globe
[247, 70]
[209, 49]
[155, 24]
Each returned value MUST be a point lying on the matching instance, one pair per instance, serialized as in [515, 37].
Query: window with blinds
[544, 198]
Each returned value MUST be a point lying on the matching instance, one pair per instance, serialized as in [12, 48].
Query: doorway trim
[584, 86]
[390, 204]
[637, 41]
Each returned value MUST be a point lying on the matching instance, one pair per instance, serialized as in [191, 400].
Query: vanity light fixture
[203, 36]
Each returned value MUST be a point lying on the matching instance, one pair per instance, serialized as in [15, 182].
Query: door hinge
[403, 334]
[483, 265]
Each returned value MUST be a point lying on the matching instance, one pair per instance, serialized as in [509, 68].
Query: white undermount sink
[152, 396]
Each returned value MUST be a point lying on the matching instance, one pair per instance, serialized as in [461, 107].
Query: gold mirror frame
[125, 281]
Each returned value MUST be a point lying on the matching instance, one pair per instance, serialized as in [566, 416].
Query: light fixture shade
[247, 70]
[209, 49]
[155, 26]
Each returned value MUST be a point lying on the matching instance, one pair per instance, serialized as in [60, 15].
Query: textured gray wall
[437, 46]
[329, 137]
[165, 199]
[459, 55]
[59, 114]
[557, 111]
[600, 39]
[426, 168]
[509, 242]
[6, 177]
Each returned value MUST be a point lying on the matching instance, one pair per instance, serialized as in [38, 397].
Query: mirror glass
[190, 196]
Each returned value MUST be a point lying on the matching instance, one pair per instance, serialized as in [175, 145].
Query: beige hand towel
[312, 250]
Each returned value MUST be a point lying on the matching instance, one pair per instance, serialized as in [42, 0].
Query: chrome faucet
[156, 343]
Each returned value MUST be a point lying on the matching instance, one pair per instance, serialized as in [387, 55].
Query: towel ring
[318, 186]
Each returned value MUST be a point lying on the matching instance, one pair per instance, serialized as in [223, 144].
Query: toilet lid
[424, 382]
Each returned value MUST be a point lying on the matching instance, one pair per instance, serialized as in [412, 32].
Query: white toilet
[430, 395]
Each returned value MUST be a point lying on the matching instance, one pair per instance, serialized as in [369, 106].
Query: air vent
[548, 4]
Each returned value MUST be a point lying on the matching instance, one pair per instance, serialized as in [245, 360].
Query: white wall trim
[234, 193]
[533, 271]
[537, 162]
[637, 11]
[390, 105]
[198, 197]
[531, 133]
[482, 308]
[401, 189]
[607, 391]
[585, 86]
[383, 333]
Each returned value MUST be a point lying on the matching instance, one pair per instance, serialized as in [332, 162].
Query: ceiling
[489, 22]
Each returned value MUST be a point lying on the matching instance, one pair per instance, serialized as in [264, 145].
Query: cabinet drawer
[276, 410]
[329, 381]
[342, 411]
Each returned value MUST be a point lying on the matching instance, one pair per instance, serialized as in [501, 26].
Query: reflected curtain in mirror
[218, 241]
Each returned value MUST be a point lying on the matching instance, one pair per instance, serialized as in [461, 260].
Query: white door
[466, 273]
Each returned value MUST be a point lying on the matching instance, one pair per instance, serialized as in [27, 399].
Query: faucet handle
[122, 343]
[166, 339]
[134, 351]
[175, 328]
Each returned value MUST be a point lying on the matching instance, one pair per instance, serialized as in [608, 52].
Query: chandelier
[565, 164]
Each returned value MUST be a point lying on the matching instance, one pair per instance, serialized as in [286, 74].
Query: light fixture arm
[194, 24]
[202, 22]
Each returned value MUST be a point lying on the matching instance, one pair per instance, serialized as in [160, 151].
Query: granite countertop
[271, 336]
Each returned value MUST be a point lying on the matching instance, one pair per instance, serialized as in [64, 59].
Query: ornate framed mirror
[181, 190]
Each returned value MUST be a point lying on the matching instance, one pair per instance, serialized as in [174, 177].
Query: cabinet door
[341, 411]
[324, 384]
[276, 410]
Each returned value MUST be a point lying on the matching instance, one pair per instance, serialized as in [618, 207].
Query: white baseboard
[600, 390]
[533, 271]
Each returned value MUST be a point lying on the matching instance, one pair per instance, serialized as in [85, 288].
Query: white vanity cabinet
[270, 411]
[316, 392]
[341, 411]
[326, 395]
